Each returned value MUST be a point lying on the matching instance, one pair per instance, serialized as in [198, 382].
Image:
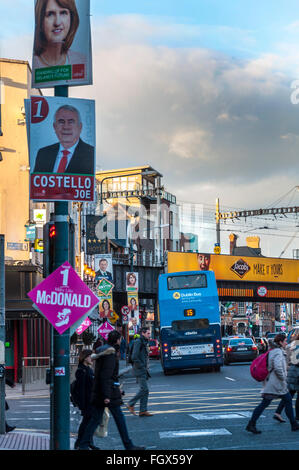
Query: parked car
[240, 350]
[154, 348]
[225, 340]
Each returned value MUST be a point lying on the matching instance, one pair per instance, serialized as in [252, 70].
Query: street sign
[217, 249]
[105, 287]
[125, 319]
[63, 298]
[125, 310]
[114, 317]
[105, 329]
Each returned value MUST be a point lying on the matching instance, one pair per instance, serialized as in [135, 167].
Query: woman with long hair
[275, 385]
[105, 311]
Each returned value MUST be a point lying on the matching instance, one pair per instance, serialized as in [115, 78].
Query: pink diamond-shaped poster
[63, 298]
[105, 329]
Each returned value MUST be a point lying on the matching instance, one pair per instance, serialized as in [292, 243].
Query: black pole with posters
[60, 399]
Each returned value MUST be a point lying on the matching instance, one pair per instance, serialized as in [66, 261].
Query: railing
[34, 373]
[139, 259]
[34, 370]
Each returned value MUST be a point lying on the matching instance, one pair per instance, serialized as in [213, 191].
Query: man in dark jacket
[106, 392]
[140, 368]
[85, 377]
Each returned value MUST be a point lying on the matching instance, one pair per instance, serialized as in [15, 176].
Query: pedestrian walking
[292, 350]
[275, 385]
[106, 392]
[123, 348]
[140, 369]
[11, 384]
[85, 378]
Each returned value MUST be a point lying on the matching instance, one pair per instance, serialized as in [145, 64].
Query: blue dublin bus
[189, 318]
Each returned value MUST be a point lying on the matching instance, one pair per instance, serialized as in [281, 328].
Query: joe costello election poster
[62, 43]
[61, 148]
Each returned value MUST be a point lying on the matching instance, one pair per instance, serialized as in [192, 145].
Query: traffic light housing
[49, 239]
[49, 235]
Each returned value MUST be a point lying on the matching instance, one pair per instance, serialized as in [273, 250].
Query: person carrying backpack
[130, 349]
[140, 369]
[106, 393]
[275, 385]
[82, 391]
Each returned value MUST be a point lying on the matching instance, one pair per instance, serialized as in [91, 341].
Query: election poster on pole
[61, 148]
[62, 44]
[63, 298]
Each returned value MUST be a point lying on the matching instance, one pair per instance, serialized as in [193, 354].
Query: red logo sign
[262, 291]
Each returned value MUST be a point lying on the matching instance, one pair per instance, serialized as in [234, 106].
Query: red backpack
[259, 367]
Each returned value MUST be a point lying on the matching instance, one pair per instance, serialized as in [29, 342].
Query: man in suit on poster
[102, 272]
[71, 154]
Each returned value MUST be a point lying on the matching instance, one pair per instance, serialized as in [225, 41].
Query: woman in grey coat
[275, 385]
[293, 377]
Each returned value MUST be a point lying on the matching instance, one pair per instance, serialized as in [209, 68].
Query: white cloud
[194, 114]
[201, 117]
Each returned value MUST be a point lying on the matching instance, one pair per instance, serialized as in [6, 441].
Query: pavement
[27, 440]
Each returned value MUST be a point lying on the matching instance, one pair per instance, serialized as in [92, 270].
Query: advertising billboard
[236, 268]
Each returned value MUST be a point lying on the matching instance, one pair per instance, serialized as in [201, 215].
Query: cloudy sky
[203, 91]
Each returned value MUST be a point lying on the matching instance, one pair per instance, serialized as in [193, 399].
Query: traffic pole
[61, 342]
[2, 336]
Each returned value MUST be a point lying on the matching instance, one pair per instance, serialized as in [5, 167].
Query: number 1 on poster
[65, 274]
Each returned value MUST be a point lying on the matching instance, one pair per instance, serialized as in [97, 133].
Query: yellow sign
[217, 250]
[114, 317]
[236, 268]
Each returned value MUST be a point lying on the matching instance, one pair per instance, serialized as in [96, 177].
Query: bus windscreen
[192, 281]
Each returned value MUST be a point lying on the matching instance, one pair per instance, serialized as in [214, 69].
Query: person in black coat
[85, 377]
[106, 392]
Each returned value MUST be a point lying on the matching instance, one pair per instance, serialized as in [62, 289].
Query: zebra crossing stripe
[194, 433]
[204, 416]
